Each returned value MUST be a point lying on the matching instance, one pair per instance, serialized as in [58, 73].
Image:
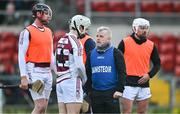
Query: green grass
[24, 109]
[53, 109]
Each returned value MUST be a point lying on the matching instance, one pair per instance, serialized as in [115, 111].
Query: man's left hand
[144, 79]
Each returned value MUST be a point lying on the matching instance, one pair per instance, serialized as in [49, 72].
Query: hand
[85, 106]
[144, 79]
[24, 83]
[117, 94]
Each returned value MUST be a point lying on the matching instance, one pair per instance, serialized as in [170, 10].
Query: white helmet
[80, 20]
[139, 22]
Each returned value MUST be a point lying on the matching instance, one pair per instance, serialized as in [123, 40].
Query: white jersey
[69, 59]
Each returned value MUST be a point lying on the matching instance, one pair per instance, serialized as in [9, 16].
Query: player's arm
[88, 85]
[120, 68]
[121, 46]
[89, 45]
[81, 68]
[156, 62]
[78, 59]
[53, 59]
[23, 46]
[53, 63]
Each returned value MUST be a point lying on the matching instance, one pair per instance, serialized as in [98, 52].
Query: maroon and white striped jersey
[68, 58]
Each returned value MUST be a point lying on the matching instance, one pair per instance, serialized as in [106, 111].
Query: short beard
[43, 21]
[103, 47]
[142, 38]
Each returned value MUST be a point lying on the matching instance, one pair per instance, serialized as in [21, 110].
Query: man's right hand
[117, 94]
[24, 83]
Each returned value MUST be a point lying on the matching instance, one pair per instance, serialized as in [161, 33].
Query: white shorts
[69, 91]
[138, 93]
[43, 74]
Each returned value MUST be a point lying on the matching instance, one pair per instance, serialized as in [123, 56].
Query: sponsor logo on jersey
[100, 57]
[98, 69]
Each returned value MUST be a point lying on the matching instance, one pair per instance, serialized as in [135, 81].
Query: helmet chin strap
[79, 35]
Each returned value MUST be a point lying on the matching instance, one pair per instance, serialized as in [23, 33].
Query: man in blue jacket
[106, 73]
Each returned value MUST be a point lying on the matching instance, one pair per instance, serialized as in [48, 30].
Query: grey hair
[102, 28]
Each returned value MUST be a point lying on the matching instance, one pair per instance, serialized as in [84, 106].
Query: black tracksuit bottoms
[103, 102]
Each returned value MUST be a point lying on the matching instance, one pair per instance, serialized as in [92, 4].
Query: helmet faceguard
[80, 23]
[41, 7]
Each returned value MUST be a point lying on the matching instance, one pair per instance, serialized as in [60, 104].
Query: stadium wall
[121, 31]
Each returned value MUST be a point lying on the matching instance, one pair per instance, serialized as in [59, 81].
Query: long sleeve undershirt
[23, 46]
